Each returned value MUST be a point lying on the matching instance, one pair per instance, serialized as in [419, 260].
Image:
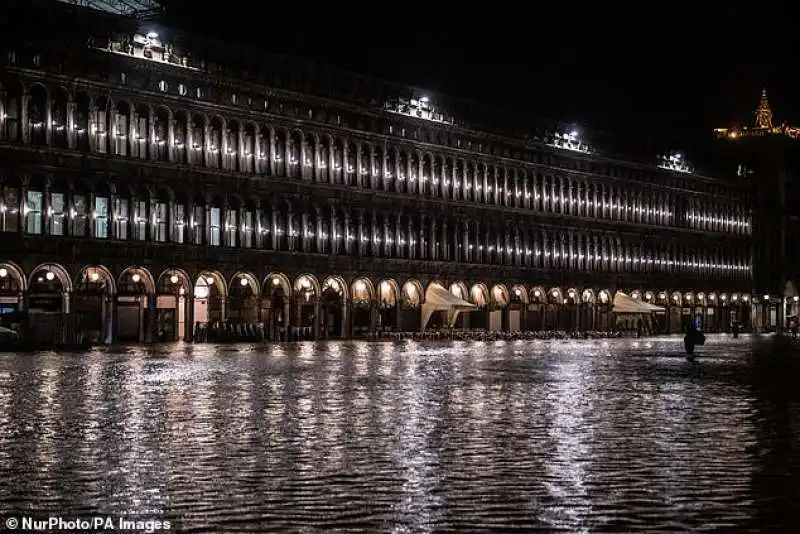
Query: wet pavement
[577, 436]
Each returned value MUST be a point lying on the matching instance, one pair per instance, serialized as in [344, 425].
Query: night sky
[661, 76]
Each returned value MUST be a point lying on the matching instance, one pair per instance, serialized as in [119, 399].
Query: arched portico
[517, 307]
[537, 303]
[459, 289]
[243, 299]
[498, 314]
[49, 289]
[333, 306]
[388, 305]
[173, 305]
[479, 296]
[210, 297]
[364, 313]
[411, 298]
[135, 305]
[306, 293]
[276, 297]
[93, 304]
[12, 294]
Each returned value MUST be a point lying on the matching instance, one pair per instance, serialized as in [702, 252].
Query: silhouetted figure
[735, 329]
[639, 327]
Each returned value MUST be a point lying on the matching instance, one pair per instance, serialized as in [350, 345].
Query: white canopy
[438, 298]
[625, 304]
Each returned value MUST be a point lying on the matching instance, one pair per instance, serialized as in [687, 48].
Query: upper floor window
[101, 217]
[162, 86]
[182, 90]
[215, 228]
[34, 208]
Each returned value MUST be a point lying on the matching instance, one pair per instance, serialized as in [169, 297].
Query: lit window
[33, 219]
[101, 217]
[162, 86]
[57, 214]
[182, 90]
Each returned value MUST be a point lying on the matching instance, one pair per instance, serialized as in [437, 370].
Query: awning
[438, 298]
[625, 304]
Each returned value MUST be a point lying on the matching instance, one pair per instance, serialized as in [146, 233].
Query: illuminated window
[101, 217]
[33, 219]
[162, 86]
[182, 90]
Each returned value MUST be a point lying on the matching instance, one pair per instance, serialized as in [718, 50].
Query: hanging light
[50, 276]
[94, 277]
[174, 278]
[3, 272]
[243, 281]
[136, 278]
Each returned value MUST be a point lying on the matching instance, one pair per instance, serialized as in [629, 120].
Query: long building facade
[153, 184]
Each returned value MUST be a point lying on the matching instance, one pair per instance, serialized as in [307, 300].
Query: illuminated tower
[765, 157]
[764, 113]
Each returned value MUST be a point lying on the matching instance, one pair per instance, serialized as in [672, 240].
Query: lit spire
[764, 112]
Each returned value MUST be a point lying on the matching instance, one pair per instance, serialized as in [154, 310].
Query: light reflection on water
[407, 437]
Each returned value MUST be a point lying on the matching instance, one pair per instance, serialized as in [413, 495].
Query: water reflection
[408, 437]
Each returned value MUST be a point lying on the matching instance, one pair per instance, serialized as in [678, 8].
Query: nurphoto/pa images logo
[83, 524]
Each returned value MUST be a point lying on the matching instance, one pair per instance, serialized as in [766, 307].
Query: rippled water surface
[581, 436]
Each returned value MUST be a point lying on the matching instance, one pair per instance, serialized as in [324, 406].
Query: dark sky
[668, 73]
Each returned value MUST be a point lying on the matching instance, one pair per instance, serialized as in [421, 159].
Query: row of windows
[416, 130]
[370, 234]
[138, 132]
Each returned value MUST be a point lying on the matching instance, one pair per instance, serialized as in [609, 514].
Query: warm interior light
[3, 272]
[174, 278]
[50, 276]
[243, 281]
[136, 278]
[94, 277]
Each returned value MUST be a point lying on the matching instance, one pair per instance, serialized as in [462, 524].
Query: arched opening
[332, 308]
[479, 296]
[388, 315]
[536, 308]
[81, 121]
[604, 306]
[12, 125]
[553, 314]
[180, 134]
[243, 307]
[210, 295]
[410, 305]
[135, 307]
[12, 289]
[498, 316]
[37, 115]
[161, 133]
[517, 307]
[570, 310]
[58, 118]
[363, 310]
[306, 290]
[93, 304]
[49, 322]
[140, 144]
[586, 315]
[172, 305]
[214, 149]
[122, 130]
[458, 289]
[276, 296]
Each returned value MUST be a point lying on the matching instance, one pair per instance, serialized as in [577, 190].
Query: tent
[625, 304]
[438, 298]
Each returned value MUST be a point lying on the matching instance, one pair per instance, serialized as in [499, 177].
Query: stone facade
[174, 183]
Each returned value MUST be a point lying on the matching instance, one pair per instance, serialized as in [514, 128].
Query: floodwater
[573, 436]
